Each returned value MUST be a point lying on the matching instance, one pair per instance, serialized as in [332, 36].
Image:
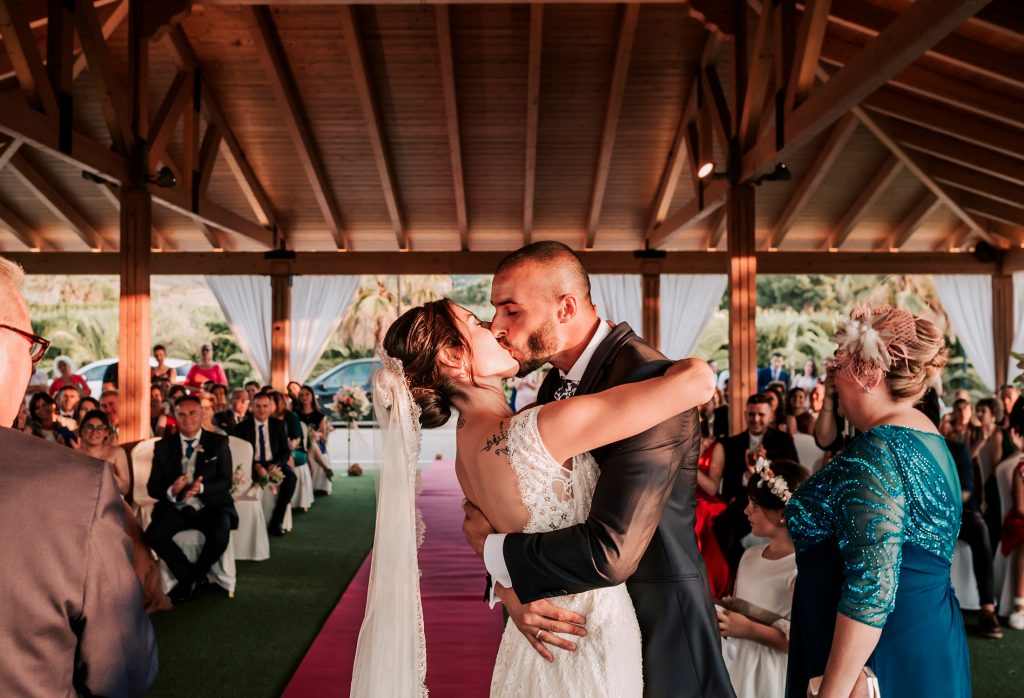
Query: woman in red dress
[709, 475]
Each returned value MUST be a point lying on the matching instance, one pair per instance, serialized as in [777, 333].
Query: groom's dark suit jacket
[640, 531]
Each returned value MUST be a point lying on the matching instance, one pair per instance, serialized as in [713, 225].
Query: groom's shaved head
[563, 270]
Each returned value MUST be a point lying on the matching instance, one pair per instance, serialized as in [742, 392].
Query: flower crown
[776, 483]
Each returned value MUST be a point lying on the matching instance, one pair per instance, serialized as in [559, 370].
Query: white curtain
[619, 297]
[967, 299]
[1018, 323]
[245, 301]
[687, 303]
[318, 303]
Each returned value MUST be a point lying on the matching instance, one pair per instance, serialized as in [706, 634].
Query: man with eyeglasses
[71, 604]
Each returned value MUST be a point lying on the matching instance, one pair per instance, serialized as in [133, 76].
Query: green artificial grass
[996, 667]
[252, 644]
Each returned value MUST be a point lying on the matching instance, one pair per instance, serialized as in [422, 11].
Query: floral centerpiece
[351, 403]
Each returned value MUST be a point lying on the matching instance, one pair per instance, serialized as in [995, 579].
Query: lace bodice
[892, 486]
[556, 497]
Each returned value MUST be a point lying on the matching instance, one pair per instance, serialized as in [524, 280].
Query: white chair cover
[807, 452]
[250, 541]
[1002, 570]
[142, 465]
[222, 573]
[961, 574]
[321, 483]
[303, 497]
[268, 500]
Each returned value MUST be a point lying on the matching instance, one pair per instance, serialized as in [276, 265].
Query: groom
[641, 525]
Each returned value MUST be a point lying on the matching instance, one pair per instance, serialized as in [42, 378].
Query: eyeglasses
[95, 427]
[39, 345]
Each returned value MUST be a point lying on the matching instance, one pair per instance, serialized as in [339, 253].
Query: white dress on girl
[756, 670]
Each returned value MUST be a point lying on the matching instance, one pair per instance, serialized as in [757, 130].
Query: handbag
[866, 686]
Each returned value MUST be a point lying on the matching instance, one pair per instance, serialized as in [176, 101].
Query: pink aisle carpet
[462, 634]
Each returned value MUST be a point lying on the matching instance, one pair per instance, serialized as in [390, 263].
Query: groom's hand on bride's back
[475, 527]
[539, 620]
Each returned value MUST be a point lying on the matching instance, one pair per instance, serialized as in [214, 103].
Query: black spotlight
[986, 253]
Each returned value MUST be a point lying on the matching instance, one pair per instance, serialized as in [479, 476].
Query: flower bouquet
[270, 479]
[351, 403]
[238, 479]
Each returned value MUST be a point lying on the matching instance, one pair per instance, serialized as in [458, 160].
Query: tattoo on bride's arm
[498, 443]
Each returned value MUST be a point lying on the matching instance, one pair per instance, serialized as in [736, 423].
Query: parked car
[93, 373]
[354, 372]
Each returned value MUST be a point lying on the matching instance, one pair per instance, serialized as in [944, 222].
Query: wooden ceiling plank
[716, 228]
[211, 214]
[26, 60]
[899, 236]
[990, 208]
[870, 193]
[532, 117]
[809, 38]
[983, 184]
[167, 115]
[759, 75]
[816, 174]
[212, 235]
[208, 157]
[692, 212]
[24, 232]
[616, 92]
[8, 150]
[909, 35]
[677, 158]
[161, 241]
[271, 56]
[451, 111]
[954, 240]
[108, 88]
[361, 76]
[110, 25]
[44, 189]
[720, 103]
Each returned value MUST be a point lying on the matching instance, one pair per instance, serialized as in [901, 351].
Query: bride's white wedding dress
[607, 662]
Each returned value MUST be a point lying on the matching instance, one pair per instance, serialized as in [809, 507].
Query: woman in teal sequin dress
[875, 529]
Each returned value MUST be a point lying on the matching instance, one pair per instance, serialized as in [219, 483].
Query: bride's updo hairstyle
[907, 351]
[416, 339]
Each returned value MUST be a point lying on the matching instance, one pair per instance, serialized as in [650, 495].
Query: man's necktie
[189, 450]
[566, 388]
[263, 446]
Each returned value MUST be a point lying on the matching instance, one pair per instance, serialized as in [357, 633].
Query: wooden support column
[742, 302]
[1002, 324]
[652, 309]
[135, 261]
[281, 329]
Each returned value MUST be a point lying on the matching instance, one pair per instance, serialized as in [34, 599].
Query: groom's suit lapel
[603, 357]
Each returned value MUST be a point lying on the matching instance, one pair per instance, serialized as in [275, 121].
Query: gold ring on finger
[539, 631]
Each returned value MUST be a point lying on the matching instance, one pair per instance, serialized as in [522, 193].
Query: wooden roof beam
[954, 240]
[361, 75]
[24, 232]
[898, 237]
[160, 241]
[451, 111]
[809, 38]
[816, 174]
[271, 55]
[207, 158]
[25, 58]
[108, 88]
[912, 33]
[532, 117]
[8, 150]
[758, 79]
[43, 188]
[167, 115]
[986, 185]
[620, 71]
[990, 208]
[870, 193]
[695, 210]
[716, 228]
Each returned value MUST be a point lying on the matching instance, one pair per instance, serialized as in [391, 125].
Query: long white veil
[391, 655]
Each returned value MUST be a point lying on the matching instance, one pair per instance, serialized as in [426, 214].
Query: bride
[527, 472]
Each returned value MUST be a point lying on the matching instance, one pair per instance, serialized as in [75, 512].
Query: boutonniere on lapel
[199, 449]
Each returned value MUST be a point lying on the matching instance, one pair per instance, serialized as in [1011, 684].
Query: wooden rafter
[213, 236]
[271, 55]
[977, 182]
[990, 208]
[451, 112]
[809, 40]
[616, 92]
[25, 58]
[190, 135]
[44, 189]
[757, 80]
[25, 233]
[532, 117]
[716, 228]
[108, 88]
[909, 35]
[954, 240]
[899, 236]
[692, 212]
[207, 158]
[160, 241]
[880, 181]
[375, 130]
[816, 174]
[167, 115]
[8, 150]
[719, 103]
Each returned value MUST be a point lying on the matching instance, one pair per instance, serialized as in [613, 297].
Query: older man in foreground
[70, 603]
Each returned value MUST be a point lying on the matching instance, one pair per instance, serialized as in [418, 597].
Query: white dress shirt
[494, 555]
[189, 467]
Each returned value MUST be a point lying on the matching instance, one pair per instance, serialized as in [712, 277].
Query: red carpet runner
[462, 634]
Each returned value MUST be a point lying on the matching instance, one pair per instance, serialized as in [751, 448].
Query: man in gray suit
[640, 530]
[71, 618]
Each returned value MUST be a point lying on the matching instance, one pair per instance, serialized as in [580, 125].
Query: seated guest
[207, 401]
[960, 422]
[161, 370]
[292, 390]
[66, 375]
[1008, 396]
[775, 372]
[986, 443]
[109, 401]
[798, 413]
[759, 439]
[319, 426]
[269, 439]
[110, 377]
[205, 370]
[85, 405]
[96, 442]
[777, 391]
[251, 387]
[219, 391]
[231, 418]
[67, 399]
[809, 378]
[42, 411]
[191, 483]
[157, 412]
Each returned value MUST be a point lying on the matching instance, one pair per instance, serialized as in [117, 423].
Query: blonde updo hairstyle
[910, 377]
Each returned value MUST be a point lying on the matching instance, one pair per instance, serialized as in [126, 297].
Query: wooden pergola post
[135, 258]
[1002, 324]
[740, 223]
[281, 329]
[652, 309]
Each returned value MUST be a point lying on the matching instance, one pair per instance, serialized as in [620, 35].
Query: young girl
[756, 650]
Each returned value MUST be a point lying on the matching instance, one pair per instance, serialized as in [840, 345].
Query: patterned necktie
[189, 450]
[263, 447]
[566, 388]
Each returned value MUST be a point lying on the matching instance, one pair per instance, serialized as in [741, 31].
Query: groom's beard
[540, 347]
